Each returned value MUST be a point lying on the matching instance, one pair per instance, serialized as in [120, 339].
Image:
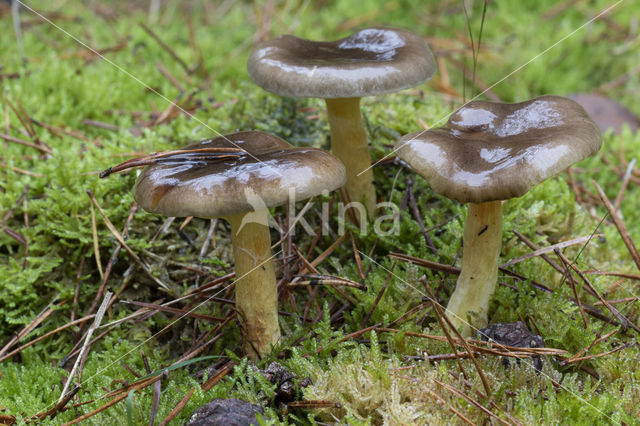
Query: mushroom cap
[268, 174]
[371, 61]
[494, 151]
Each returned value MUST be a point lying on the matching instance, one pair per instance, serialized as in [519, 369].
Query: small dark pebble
[513, 334]
[226, 412]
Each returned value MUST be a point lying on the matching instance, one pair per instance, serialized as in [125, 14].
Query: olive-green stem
[469, 303]
[256, 289]
[349, 144]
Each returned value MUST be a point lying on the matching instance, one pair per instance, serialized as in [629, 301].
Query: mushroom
[241, 190]
[489, 152]
[369, 62]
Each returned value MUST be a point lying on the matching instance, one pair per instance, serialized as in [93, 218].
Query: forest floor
[87, 85]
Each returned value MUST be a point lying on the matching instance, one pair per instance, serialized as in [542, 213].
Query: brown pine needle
[208, 154]
[97, 410]
[583, 351]
[600, 355]
[182, 312]
[213, 380]
[572, 283]
[622, 229]
[22, 171]
[356, 255]
[42, 148]
[481, 346]
[314, 403]
[44, 336]
[623, 320]
[179, 407]
[120, 239]
[440, 312]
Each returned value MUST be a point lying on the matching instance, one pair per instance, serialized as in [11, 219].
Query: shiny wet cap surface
[372, 61]
[494, 151]
[209, 186]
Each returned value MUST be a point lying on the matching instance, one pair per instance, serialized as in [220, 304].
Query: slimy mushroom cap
[494, 151]
[372, 61]
[266, 176]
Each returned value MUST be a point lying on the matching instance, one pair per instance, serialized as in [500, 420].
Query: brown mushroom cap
[372, 61]
[494, 151]
[185, 185]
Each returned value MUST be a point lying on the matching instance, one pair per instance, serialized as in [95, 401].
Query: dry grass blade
[208, 154]
[625, 183]
[575, 241]
[96, 324]
[532, 246]
[481, 346]
[622, 229]
[178, 408]
[33, 324]
[317, 279]
[96, 243]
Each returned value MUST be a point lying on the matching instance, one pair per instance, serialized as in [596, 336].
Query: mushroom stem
[256, 289]
[349, 144]
[469, 303]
